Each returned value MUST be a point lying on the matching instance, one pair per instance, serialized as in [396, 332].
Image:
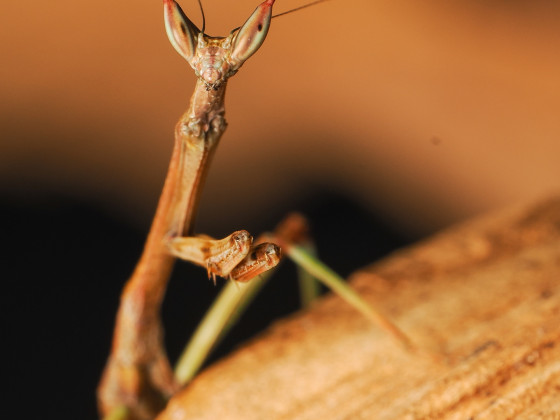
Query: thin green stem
[222, 315]
[308, 285]
[117, 413]
[316, 268]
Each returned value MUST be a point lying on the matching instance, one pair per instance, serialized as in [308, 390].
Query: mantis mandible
[138, 374]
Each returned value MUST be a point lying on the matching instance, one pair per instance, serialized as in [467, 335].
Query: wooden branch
[481, 302]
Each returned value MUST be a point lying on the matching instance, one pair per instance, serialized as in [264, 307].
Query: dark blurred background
[381, 121]
[66, 264]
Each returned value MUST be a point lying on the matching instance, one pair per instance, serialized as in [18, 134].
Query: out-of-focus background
[383, 120]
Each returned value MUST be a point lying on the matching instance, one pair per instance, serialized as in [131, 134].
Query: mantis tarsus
[138, 375]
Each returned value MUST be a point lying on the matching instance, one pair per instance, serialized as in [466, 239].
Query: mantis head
[215, 59]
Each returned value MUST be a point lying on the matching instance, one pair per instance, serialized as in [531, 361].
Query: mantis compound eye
[181, 31]
[252, 34]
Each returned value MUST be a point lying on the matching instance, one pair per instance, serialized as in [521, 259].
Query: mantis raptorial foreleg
[232, 256]
[262, 258]
[218, 256]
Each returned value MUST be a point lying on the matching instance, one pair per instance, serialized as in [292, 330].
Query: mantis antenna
[203, 17]
[313, 3]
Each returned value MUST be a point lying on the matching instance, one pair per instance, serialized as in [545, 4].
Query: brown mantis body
[138, 375]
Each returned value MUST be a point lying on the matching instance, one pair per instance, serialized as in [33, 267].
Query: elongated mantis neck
[196, 136]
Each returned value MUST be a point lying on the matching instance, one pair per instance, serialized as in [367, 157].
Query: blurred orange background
[422, 113]
[425, 112]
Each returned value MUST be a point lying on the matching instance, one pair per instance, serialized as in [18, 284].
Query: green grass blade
[333, 281]
[222, 315]
[309, 286]
[118, 413]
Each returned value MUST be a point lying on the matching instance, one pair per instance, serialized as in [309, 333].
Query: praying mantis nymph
[138, 374]
[138, 378]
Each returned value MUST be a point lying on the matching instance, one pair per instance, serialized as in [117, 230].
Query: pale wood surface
[482, 303]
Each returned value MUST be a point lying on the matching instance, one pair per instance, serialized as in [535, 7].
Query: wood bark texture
[481, 302]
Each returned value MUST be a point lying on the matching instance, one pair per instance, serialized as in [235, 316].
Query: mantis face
[215, 59]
